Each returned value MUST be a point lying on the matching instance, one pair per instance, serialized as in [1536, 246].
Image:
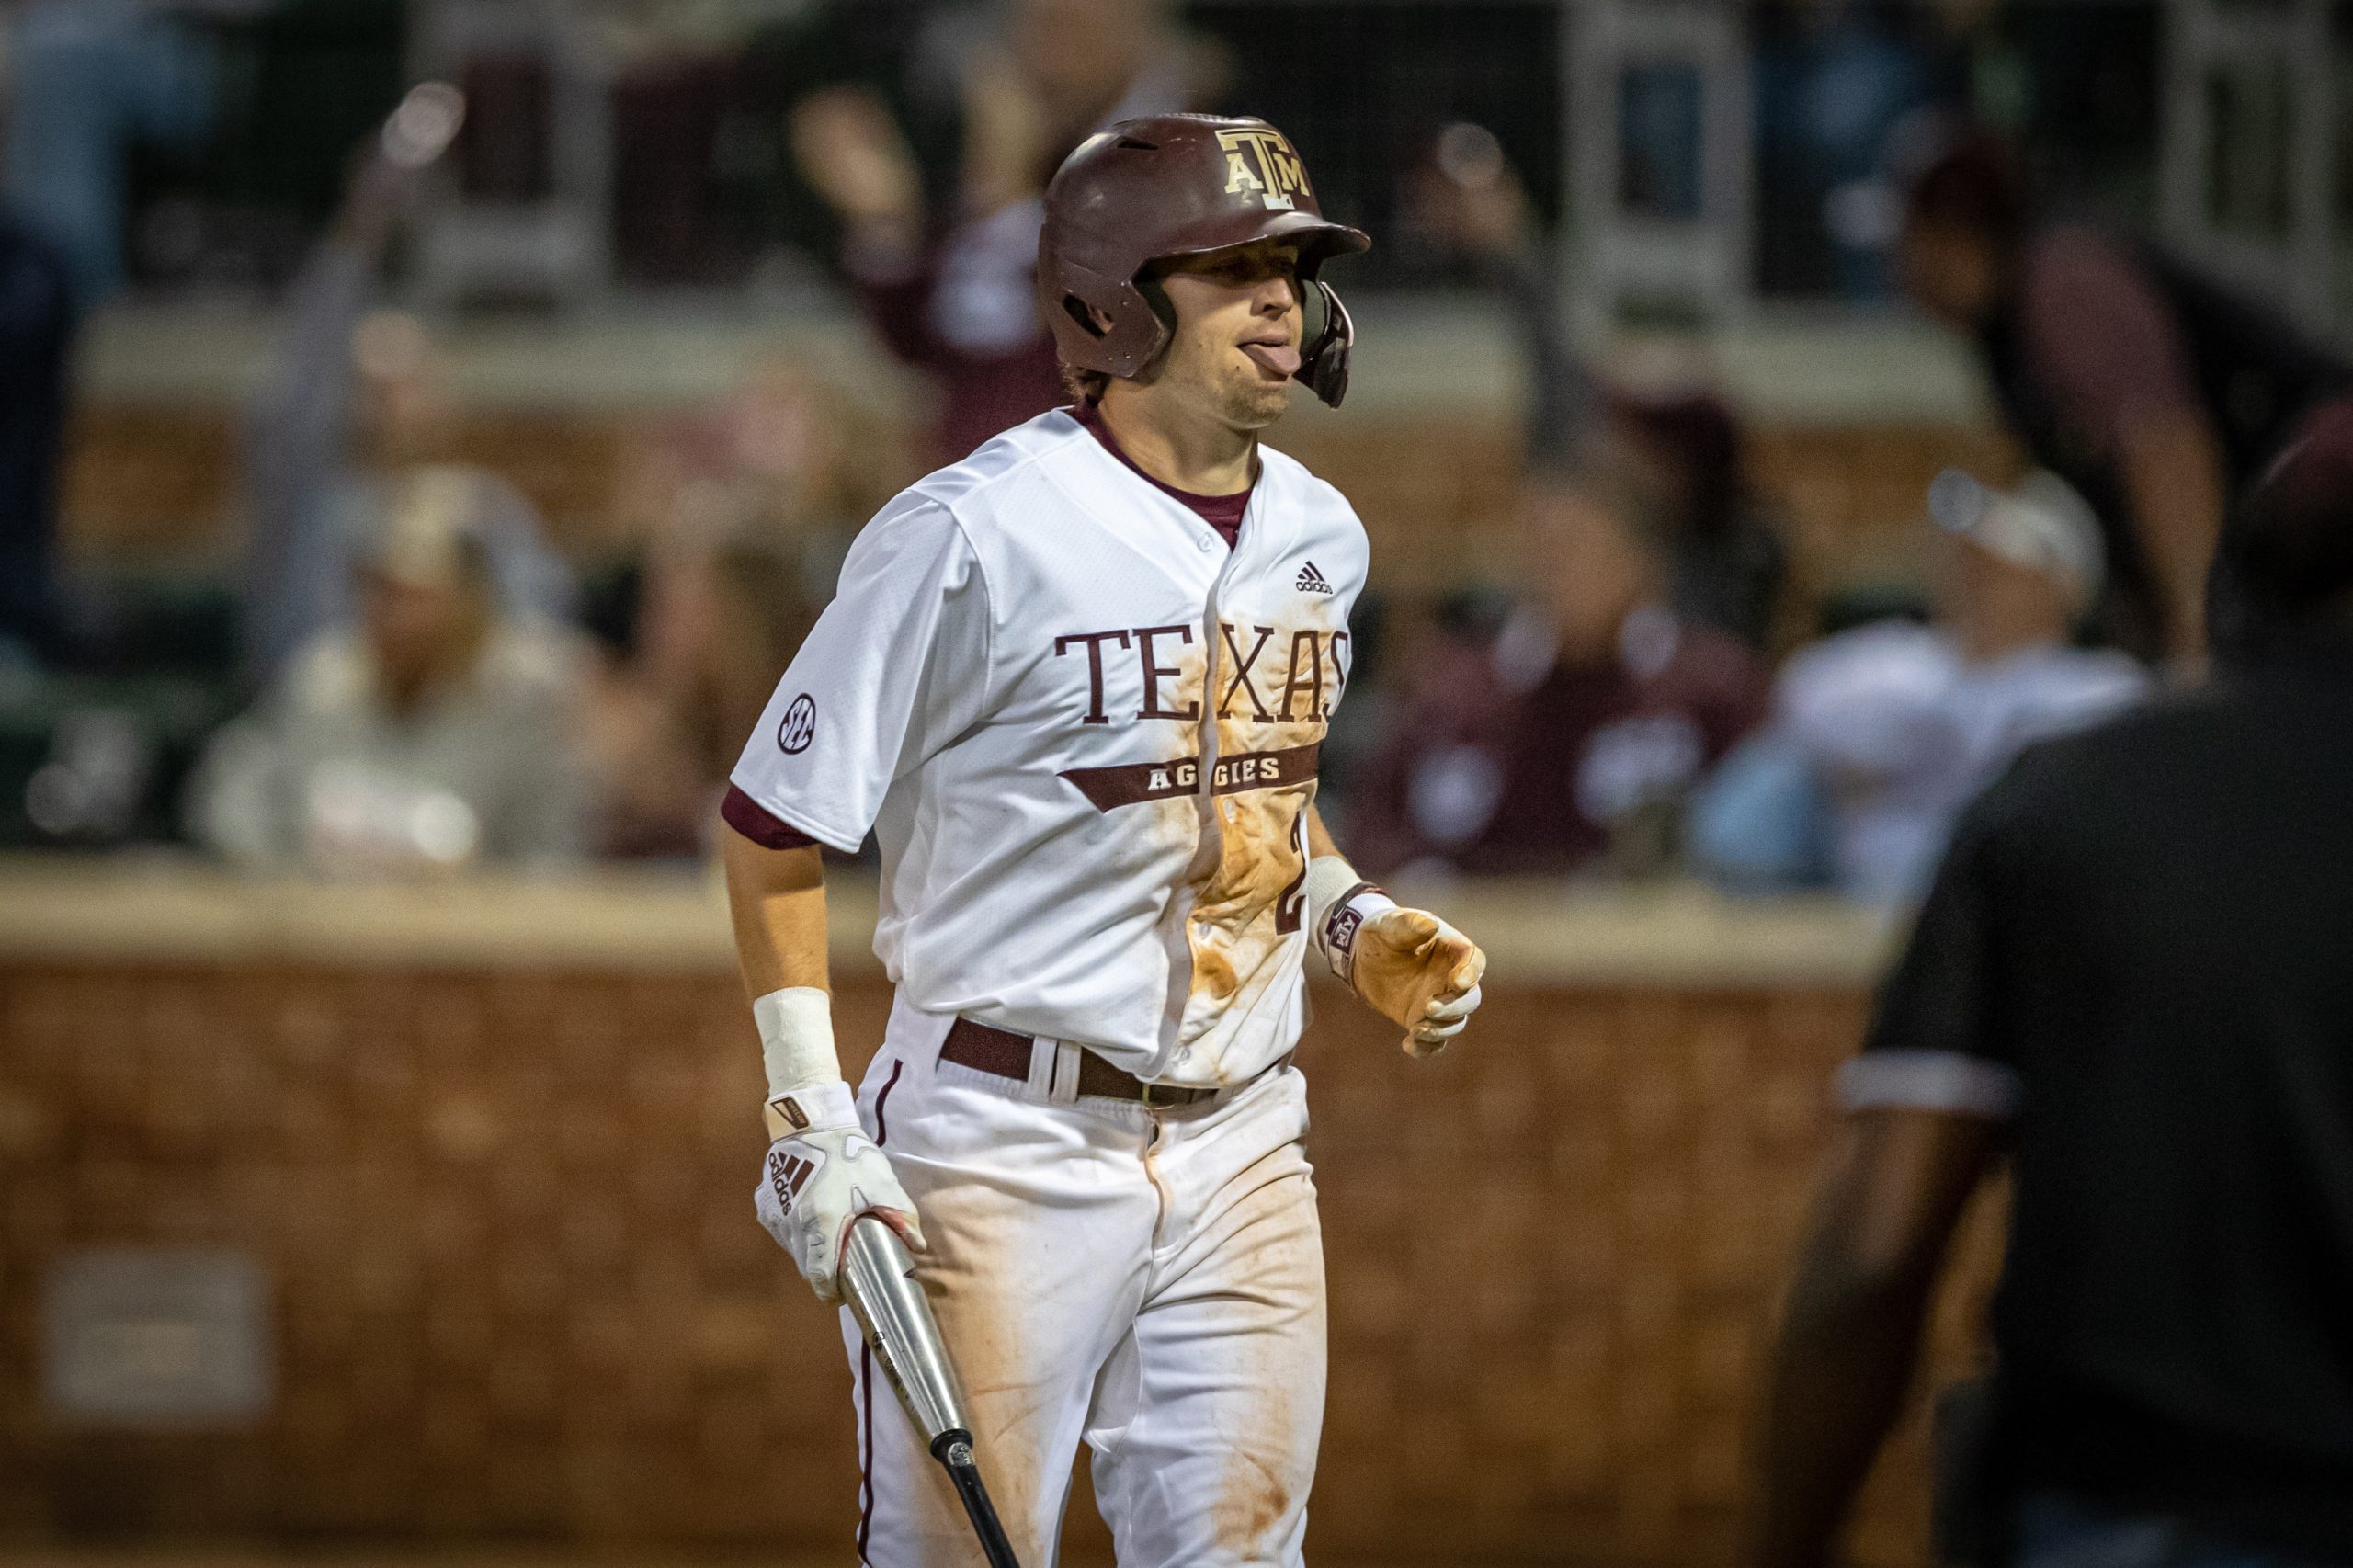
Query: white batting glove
[822, 1171]
[1408, 965]
[819, 1178]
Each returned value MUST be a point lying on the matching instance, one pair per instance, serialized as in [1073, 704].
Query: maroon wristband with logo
[1340, 927]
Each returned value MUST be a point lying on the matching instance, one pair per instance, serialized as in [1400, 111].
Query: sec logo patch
[800, 726]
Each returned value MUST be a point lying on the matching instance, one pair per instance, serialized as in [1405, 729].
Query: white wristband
[1340, 900]
[797, 1039]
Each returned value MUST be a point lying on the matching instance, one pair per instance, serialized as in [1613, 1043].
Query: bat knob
[953, 1449]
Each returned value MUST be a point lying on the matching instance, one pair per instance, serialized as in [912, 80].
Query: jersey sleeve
[1937, 1042]
[895, 667]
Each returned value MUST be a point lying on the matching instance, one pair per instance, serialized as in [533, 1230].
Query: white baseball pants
[1148, 1280]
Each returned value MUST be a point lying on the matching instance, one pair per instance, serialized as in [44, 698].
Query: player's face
[1236, 340]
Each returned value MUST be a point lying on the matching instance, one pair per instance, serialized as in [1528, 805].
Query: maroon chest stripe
[1132, 783]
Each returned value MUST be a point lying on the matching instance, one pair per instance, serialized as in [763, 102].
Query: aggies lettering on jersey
[1085, 731]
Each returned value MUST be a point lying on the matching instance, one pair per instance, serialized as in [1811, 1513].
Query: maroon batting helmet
[1181, 184]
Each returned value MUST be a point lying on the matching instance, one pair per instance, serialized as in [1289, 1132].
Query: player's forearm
[2173, 474]
[821, 1172]
[1319, 837]
[777, 900]
[1331, 882]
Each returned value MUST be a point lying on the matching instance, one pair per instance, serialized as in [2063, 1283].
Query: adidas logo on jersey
[1311, 581]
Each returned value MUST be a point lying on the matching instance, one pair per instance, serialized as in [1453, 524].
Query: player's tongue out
[1280, 359]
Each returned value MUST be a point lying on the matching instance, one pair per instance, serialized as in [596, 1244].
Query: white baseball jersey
[1085, 734]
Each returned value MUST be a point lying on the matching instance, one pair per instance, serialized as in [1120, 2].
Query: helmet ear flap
[1329, 336]
[1073, 303]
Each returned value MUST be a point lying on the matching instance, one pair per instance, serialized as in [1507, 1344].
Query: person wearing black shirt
[2134, 976]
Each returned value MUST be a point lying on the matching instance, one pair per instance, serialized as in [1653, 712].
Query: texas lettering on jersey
[1299, 698]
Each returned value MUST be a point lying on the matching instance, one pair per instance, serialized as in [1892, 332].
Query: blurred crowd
[423, 680]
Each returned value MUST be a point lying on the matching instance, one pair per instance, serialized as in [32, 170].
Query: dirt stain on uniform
[1251, 1500]
[980, 1315]
[1238, 921]
[1251, 899]
[1270, 1443]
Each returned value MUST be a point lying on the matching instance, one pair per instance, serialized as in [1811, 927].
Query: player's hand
[813, 1184]
[1419, 973]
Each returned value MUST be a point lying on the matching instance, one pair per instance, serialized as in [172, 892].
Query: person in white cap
[1885, 732]
[430, 732]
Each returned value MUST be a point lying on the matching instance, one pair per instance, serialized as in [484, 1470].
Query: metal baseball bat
[879, 1283]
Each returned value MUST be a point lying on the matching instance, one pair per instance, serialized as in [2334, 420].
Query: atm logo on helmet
[1278, 176]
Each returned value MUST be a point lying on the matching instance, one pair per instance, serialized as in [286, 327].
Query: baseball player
[1076, 684]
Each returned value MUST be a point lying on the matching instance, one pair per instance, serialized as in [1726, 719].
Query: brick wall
[518, 1292]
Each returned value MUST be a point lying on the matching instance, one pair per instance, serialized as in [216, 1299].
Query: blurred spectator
[720, 609]
[2131, 980]
[1469, 199]
[88, 81]
[952, 294]
[351, 399]
[36, 330]
[1573, 734]
[735, 523]
[2154, 393]
[804, 464]
[1730, 563]
[433, 733]
[1882, 734]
